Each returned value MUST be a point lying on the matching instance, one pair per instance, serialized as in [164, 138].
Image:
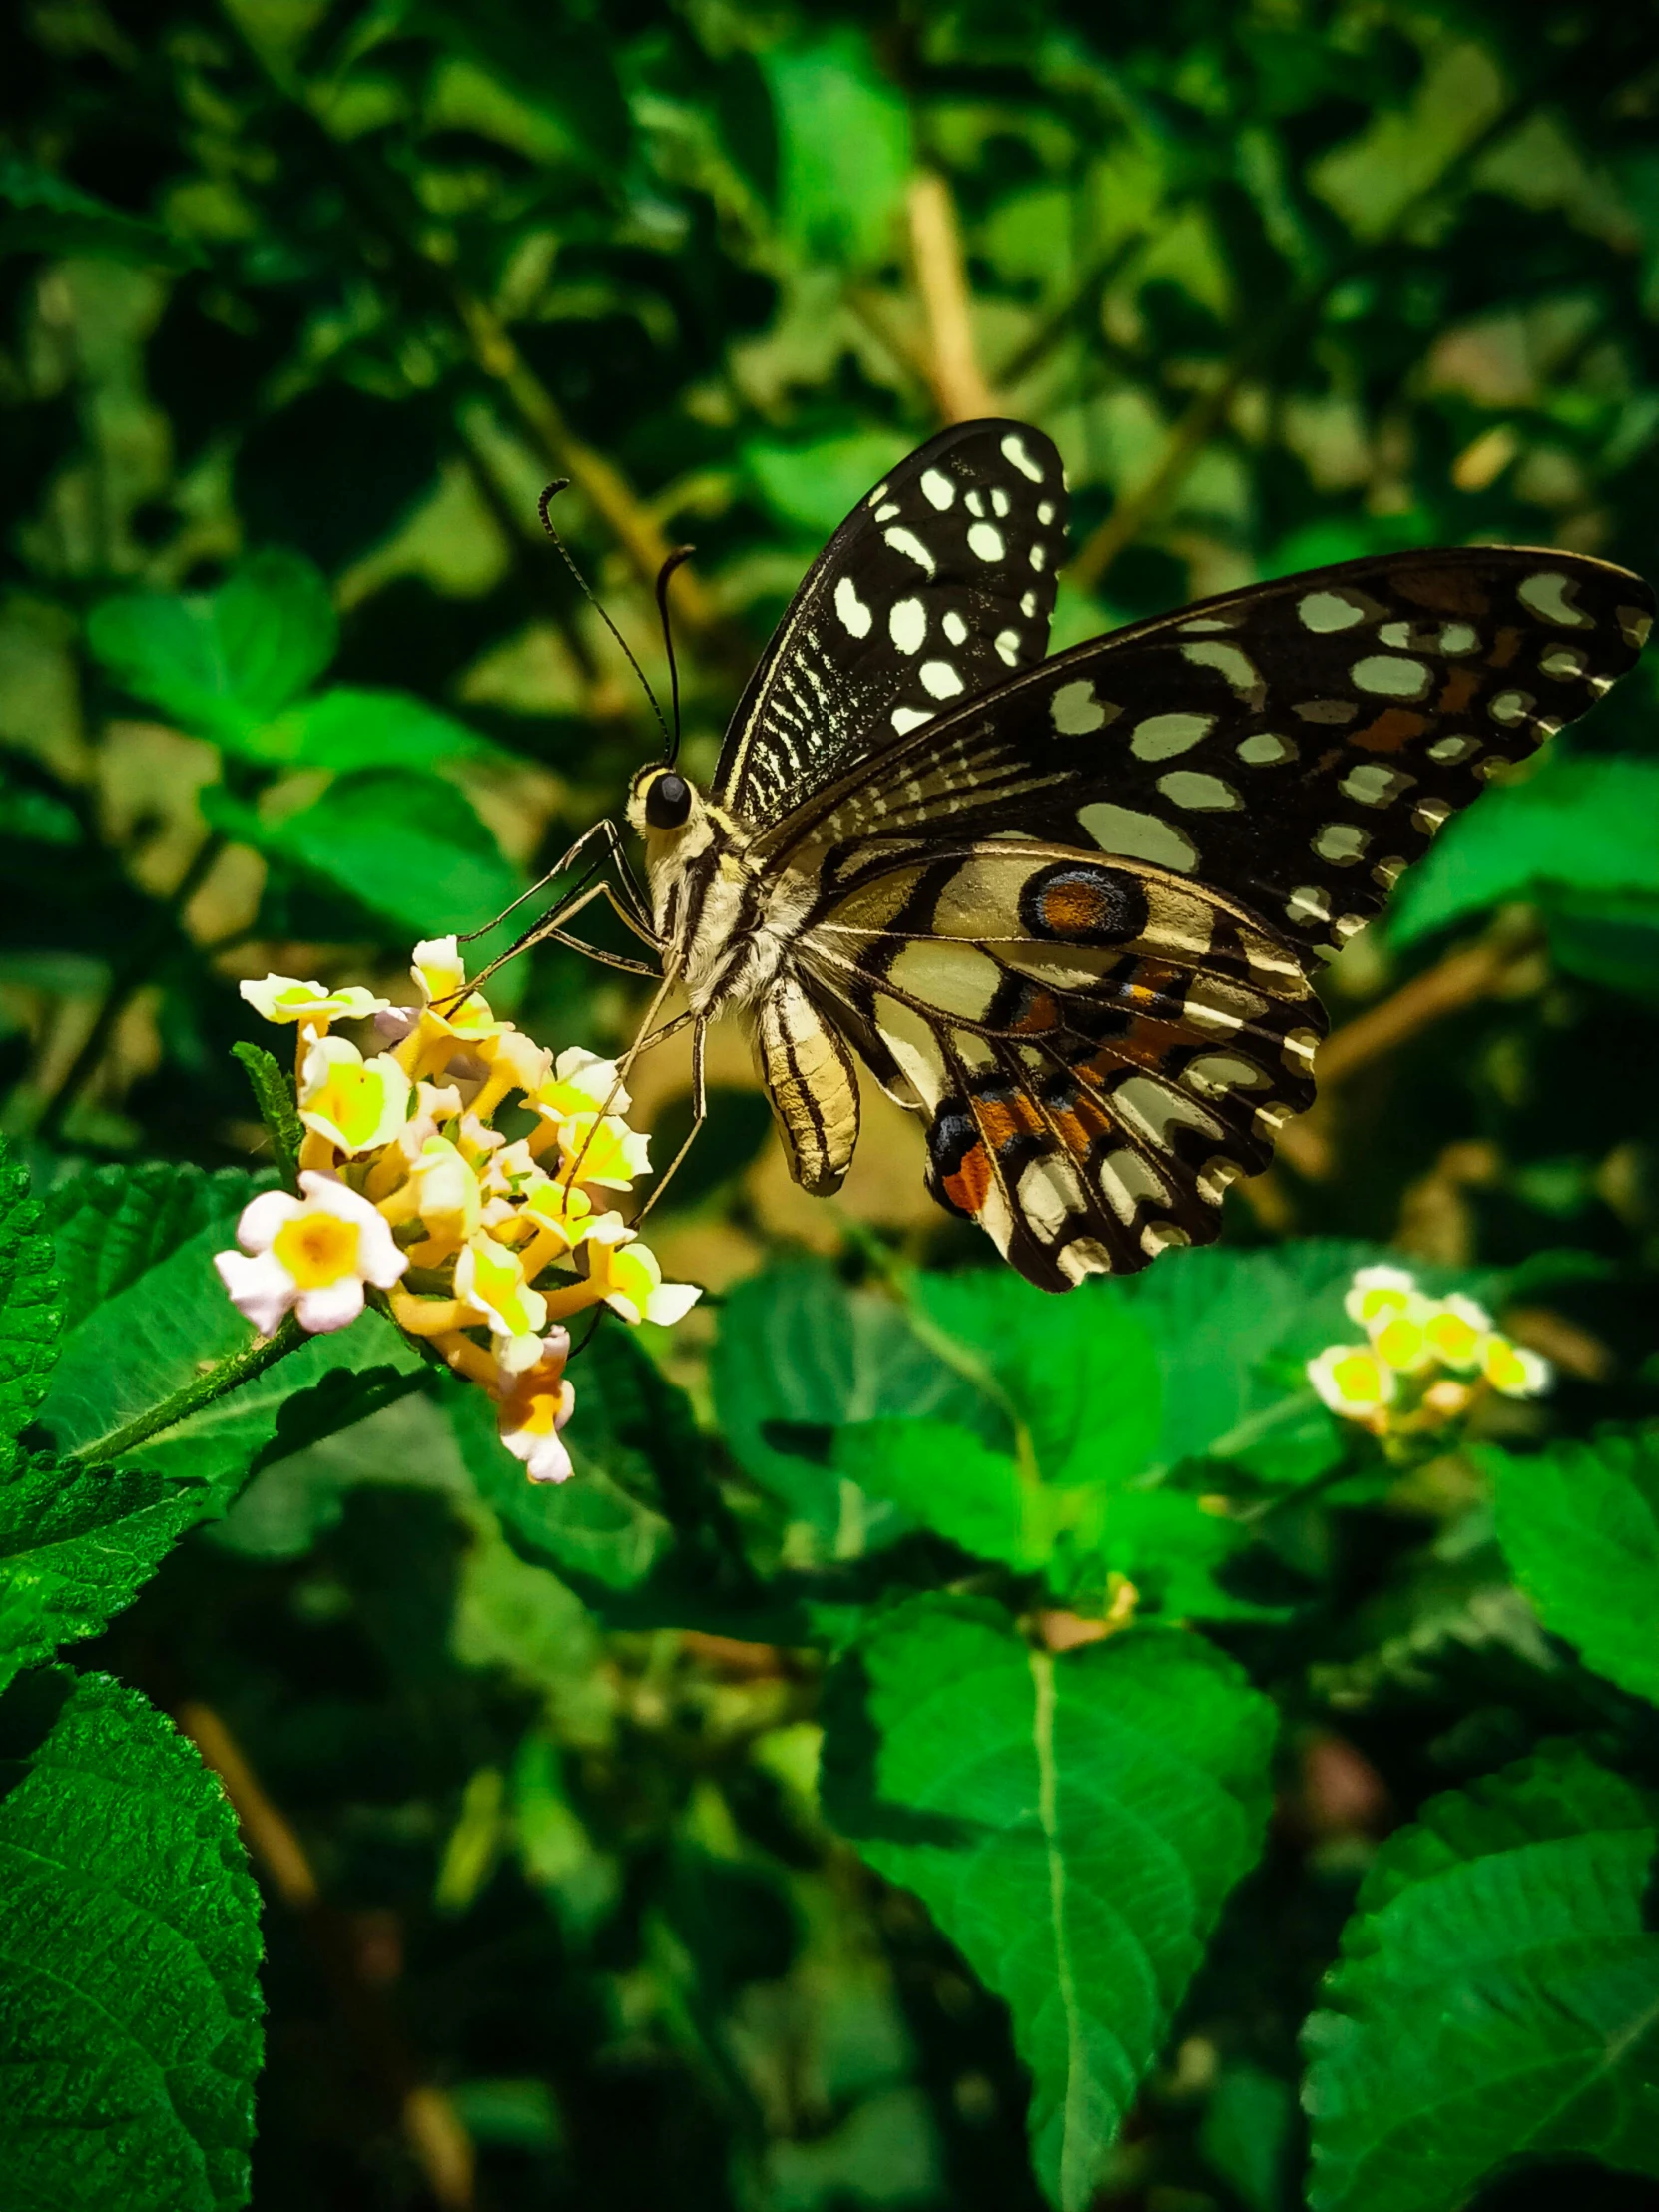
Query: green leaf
[1612, 939]
[224, 664]
[1248, 2137]
[46, 215]
[348, 729]
[1228, 1326]
[947, 1480]
[408, 849]
[109, 1225]
[591, 1530]
[814, 486]
[75, 1546]
[1079, 1374]
[130, 2038]
[844, 134]
[31, 1298]
[799, 1353]
[1579, 1526]
[1073, 1824]
[563, 66]
[137, 1349]
[1583, 825]
[273, 1089]
[1497, 1994]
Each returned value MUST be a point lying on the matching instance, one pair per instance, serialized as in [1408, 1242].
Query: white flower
[633, 1279]
[1512, 1371]
[357, 1104]
[1375, 1293]
[534, 1408]
[490, 1279]
[1455, 1328]
[313, 1254]
[283, 998]
[581, 1082]
[1352, 1381]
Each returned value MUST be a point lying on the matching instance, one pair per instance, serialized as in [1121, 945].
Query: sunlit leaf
[222, 664]
[109, 1225]
[31, 1298]
[1072, 1823]
[844, 142]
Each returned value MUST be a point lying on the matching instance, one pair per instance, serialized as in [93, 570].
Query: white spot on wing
[1138, 837]
[907, 719]
[1039, 557]
[1452, 749]
[906, 542]
[1007, 645]
[940, 680]
[1564, 660]
[1149, 1107]
[1125, 1179]
[1045, 511]
[955, 629]
[1324, 611]
[1391, 675]
[1028, 604]
[1308, 904]
[1160, 737]
[1550, 596]
[1076, 711]
[886, 513]
[986, 539]
[1014, 449]
[1509, 706]
[877, 495]
[1340, 843]
[937, 489]
[1373, 784]
[908, 625]
[1266, 750]
[1001, 502]
[1232, 665]
[1187, 788]
[856, 616]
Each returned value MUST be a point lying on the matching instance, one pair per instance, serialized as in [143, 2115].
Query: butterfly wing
[1293, 747]
[937, 585]
[1098, 1048]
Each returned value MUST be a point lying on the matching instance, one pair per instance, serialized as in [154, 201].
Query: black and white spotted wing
[1294, 746]
[937, 585]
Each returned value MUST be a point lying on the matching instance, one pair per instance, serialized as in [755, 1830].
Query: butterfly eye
[668, 801]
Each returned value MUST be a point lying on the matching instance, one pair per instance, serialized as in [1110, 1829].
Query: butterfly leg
[699, 1114]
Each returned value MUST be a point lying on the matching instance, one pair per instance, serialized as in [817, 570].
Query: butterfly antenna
[559, 484]
[663, 577]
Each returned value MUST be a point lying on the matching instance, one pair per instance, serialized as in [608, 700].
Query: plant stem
[226, 1374]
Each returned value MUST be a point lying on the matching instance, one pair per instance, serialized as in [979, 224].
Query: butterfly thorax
[724, 930]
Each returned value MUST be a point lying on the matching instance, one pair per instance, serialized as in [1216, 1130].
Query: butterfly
[1069, 910]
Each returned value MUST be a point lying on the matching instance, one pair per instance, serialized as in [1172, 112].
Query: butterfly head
[662, 804]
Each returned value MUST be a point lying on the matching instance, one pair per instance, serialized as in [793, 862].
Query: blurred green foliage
[760, 1821]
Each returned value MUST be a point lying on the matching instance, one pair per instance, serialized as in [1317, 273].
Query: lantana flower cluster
[1424, 1361]
[483, 1246]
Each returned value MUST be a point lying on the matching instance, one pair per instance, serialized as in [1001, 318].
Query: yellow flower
[605, 1152]
[283, 998]
[1401, 1338]
[1352, 1381]
[441, 976]
[444, 1191]
[532, 1409]
[313, 1252]
[1454, 1330]
[581, 1083]
[1512, 1371]
[631, 1281]
[358, 1105]
[1375, 1293]
[490, 1279]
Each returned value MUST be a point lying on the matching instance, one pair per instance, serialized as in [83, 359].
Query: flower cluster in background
[482, 1245]
[1424, 1361]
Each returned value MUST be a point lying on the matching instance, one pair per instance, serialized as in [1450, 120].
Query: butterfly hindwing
[1294, 745]
[1098, 1048]
[938, 585]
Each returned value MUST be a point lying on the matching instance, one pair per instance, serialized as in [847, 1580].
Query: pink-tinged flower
[312, 1254]
[534, 1407]
[1377, 1293]
[489, 1278]
[1512, 1371]
[1352, 1381]
[283, 998]
[631, 1279]
[357, 1105]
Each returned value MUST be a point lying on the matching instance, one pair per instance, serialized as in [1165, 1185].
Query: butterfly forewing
[938, 585]
[1294, 745]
